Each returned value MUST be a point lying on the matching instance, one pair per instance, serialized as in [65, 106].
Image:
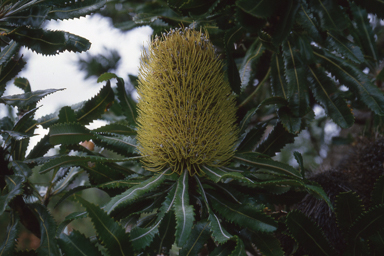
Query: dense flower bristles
[186, 108]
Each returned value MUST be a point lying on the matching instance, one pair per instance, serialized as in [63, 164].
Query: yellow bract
[186, 109]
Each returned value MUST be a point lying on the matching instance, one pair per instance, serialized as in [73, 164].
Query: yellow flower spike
[186, 108]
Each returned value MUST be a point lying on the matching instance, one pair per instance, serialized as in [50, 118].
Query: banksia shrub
[186, 107]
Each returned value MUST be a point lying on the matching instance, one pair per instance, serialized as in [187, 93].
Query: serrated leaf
[183, 211]
[230, 38]
[290, 122]
[252, 138]
[355, 79]
[258, 8]
[49, 42]
[67, 115]
[306, 20]
[318, 192]
[70, 193]
[136, 191]
[285, 22]
[14, 188]
[8, 51]
[127, 103]
[267, 244]
[41, 148]
[345, 47]
[95, 107]
[378, 191]
[278, 83]
[123, 145]
[109, 232]
[33, 16]
[325, 92]
[251, 159]
[68, 161]
[329, 14]
[218, 174]
[68, 219]
[23, 84]
[299, 159]
[348, 207]
[68, 133]
[367, 224]
[9, 71]
[220, 235]
[296, 73]
[308, 234]
[251, 57]
[7, 247]
[15, 135]
[142, 237]
[77, 244]
[115, 128]
[364, 33]
[199, 235]
[48, 245]
[75, 9]
[20, 168]
[243, 215]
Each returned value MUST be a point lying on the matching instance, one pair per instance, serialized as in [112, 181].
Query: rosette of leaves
[217, 205]
[362, 228]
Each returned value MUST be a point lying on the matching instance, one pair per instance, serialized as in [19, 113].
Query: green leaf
[329, 14]
[306, 20]
[75, 9]
[287, 16]
[299, 159]
[67, 115]
[355, 79]
[109, 232]
[251, 58]
[48, 245]
[259, 8]
[243, 215]
[348, 208]
[16, 135]
[40, 148]
[68, 219]
[378, 191]
[239, 248]
[278, 83]
[373, 6]
[123, 145]
[183, 211]
[364, 33]
[251, 159]
[377, 241]
[296, 73]
[115, 128]
[368, 223]
[325, 92]
[33, 16]
[308, 234]
[218, 174]
[199, 235]
[290, 122]
[95, 107]
[220, 235]
[136, 191]
[252, 138]
[9, 71]
[70, 193]
[318, 192]
[20, 168]
[77, 244]
[8, 51]
[14, 188]
[127, 103]
[106, 77]
[267, 244]
[345, 47]
[7, 247]
[23, 84]
[230, 38]
[49, 42]
[68, 133]
[141, 237]
[68, 161]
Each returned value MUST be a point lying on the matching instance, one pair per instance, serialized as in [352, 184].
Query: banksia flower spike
[186, 108]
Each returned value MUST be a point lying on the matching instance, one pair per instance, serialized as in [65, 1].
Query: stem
[256, 90]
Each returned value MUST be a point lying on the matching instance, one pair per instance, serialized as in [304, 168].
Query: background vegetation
[283, 60]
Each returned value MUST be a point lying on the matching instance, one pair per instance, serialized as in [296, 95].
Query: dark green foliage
[281, 59]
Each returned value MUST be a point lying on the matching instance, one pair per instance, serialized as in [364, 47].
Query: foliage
[306, 52]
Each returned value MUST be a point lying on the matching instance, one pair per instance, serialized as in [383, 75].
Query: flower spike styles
[186, 109]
